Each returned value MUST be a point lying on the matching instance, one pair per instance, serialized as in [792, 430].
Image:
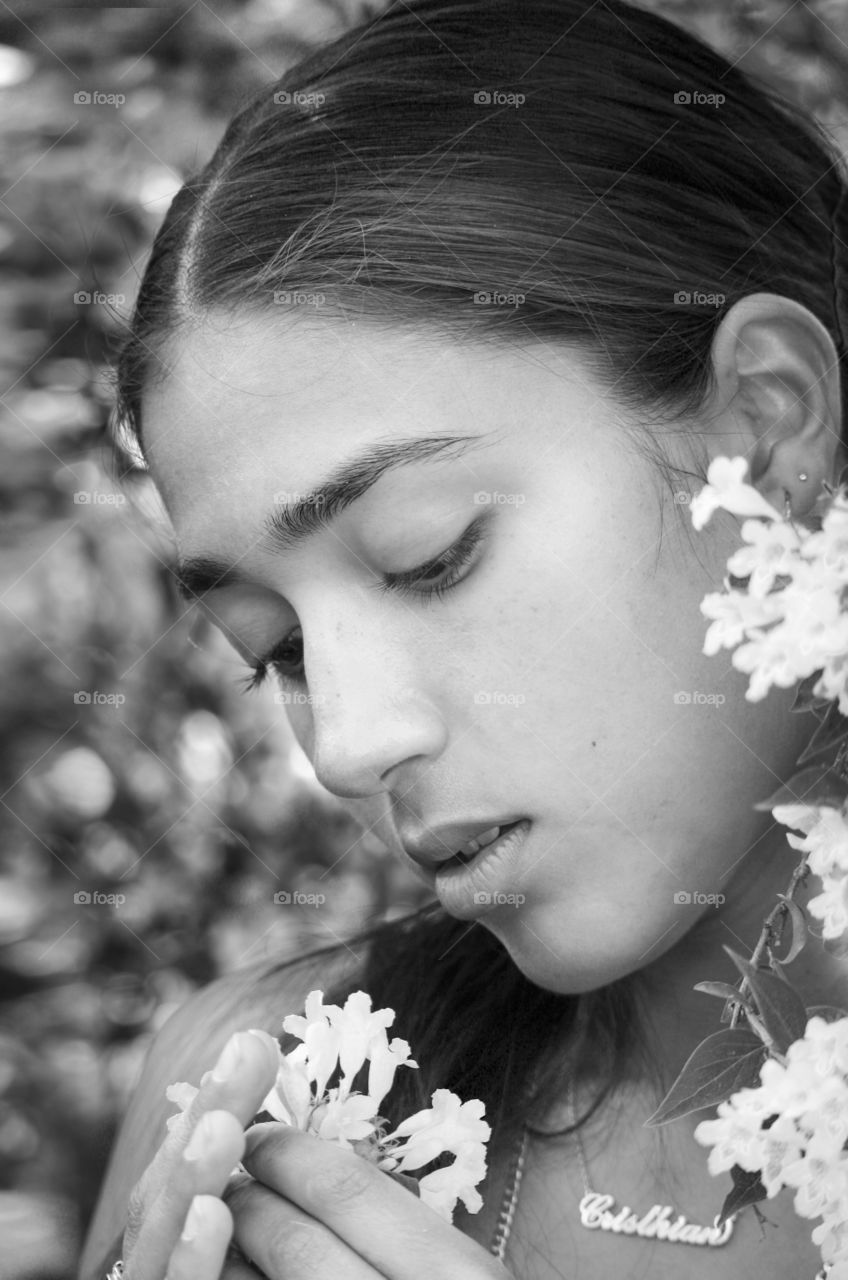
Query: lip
[472, 889]
[429, 847]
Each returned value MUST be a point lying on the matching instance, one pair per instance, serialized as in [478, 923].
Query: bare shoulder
[186, 1046]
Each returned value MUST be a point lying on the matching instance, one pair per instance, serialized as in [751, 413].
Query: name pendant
[661, 1222]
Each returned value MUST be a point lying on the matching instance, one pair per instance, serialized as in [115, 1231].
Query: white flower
[772, 552]
[735, 614]
[821, 1185]
[826, 843]
[449, 1125]
[736, 1137]
[344, 1120]
[781, 1145]
[793, 1127]
[826, 1043]
[831, 907]
[346, 1039]
[829, 545]
[792, 629]
[385, 1060]
[183, 1094]
[770, 658]
[826, 846]
[290, 1099]
[726, 488]
[802, 816]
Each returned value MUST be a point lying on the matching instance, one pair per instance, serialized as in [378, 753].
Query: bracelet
[117, 1271]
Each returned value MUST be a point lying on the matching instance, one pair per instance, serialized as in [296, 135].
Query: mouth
[474, 850]
[470, 850]
[471, 887]
[429, 848]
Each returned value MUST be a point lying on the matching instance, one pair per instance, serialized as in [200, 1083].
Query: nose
[372, 720]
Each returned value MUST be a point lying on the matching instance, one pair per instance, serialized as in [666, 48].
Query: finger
[238, 1267]
[396, 1232]
[246, 1069]
[216, 1145]
[286, 1243]
[201, 1250]
[238, 1083]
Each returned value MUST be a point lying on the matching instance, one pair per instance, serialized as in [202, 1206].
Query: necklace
[596, 1209]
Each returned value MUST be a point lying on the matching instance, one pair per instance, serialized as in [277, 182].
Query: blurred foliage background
[129, 762]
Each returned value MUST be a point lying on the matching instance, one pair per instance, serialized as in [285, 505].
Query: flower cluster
[783, 598]
[346, 1038]
[826, 848]
[790, 613]
[792, 1130]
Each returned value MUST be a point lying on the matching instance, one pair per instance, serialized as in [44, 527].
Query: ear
[777, 371]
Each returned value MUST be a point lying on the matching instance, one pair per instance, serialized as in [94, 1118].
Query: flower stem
[769, 938]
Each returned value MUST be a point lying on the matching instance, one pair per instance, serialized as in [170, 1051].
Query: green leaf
[805, 700]
[830, 1012]
[818, 785]
[724, 991]
[832, 729]
[780, 1008]
[405, 1180]
[747, 1189]
[798, 926]
[721, 1064]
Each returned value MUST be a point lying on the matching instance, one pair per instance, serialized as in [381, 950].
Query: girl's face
[556, 676]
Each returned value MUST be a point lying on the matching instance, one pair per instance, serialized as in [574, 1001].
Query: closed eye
[439, 575]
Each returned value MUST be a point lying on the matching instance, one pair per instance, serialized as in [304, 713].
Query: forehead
[254, 404]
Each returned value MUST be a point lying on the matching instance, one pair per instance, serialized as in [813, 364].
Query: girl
[426, 364]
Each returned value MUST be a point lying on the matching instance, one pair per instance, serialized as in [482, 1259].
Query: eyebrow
[290, 525]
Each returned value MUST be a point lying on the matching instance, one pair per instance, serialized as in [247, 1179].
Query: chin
[566, 968]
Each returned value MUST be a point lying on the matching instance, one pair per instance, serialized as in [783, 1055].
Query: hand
[311, 1208]
[190, 1170]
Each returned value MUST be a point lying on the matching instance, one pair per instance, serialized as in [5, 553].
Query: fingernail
[229, 1062]
[196, 1220]
[272, 1045]
[202, 1141]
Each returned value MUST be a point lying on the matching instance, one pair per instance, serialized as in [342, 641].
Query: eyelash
[455, 559]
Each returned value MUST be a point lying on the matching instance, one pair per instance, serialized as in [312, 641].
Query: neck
[679, 1018]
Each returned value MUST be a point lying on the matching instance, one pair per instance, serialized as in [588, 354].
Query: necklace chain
[510, 1200]
[593, 1207]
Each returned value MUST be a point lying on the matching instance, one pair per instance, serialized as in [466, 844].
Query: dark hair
[370, 174]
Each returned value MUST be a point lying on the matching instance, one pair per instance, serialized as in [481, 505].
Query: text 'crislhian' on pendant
[597, 1213]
